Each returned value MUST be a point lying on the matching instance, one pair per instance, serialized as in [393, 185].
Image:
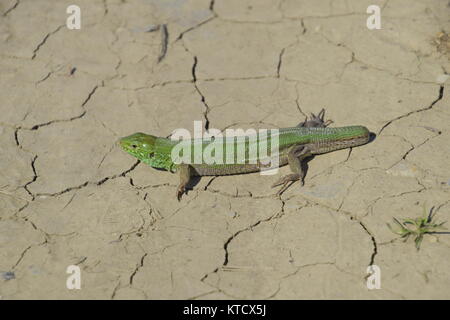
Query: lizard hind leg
[296, 155]
[316, 121]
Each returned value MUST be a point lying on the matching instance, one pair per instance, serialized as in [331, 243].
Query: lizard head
[139, 145]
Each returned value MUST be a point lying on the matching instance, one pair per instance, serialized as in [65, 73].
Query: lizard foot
[316, 121]
[285, 182]
[181, 189]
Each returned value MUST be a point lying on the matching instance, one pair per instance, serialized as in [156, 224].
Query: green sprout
[417, 227]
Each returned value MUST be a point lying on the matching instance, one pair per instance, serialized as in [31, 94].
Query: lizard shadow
[192, 183]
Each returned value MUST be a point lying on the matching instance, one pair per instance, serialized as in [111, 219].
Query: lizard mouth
[127, 145]
[121, 143]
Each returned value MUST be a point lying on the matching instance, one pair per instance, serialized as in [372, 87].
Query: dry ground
[70, 196]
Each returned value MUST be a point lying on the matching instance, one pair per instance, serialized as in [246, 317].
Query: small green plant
[417, 227]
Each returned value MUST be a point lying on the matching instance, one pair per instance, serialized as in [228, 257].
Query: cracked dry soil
[69, 196]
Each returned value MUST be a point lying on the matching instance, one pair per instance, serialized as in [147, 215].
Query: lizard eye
[134, 146]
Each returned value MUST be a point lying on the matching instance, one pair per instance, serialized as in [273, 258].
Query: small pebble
[232, 214]
[442, 78]
[9, 275]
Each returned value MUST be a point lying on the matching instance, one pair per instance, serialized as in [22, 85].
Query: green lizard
[308, 138]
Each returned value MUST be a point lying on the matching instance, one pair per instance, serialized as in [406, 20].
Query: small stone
[232, 214]
[403, 169]
[432, 239]
[442, 78]
[9, 275]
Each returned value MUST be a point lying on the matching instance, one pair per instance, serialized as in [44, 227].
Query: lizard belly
[229, 169]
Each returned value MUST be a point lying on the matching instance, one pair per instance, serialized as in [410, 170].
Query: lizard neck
[161, 158]
[160, 161]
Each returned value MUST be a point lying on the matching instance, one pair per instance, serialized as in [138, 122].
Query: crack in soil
[140, 265]
[12, 8]
[234, 235]
[211, 8]
[35, 51]
[203, 99]
[35, 176]
[280, 61]
[419, 145]
[439, 98]
[164, 42]
[194, 27]
[98, 183]
[374, 243]
[24, 252]
[37, 126]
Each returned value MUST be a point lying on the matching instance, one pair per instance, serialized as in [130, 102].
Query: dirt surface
[70, 196]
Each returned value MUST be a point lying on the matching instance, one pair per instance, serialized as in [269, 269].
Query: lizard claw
[285, 182]
[181, 189]
[316, 121]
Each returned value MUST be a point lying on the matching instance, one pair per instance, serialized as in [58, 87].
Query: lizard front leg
[296, 155]
[186, 172]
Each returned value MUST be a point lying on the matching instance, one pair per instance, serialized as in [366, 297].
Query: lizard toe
[180, 191]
